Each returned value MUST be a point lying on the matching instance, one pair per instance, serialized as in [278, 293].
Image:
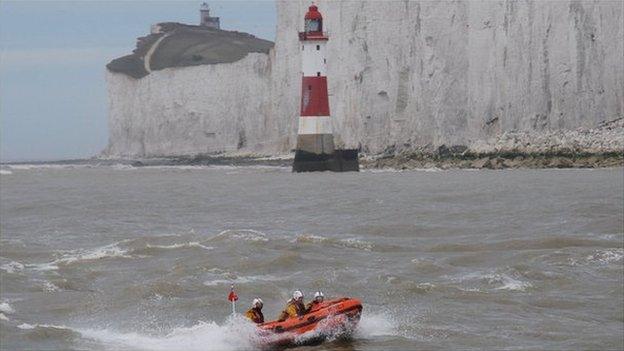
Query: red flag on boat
[232, 296]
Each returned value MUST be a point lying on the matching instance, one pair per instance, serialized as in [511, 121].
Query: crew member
[294, 308]
[318, 299]
[255, 312]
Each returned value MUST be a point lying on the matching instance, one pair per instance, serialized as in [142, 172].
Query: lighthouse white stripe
[313, 61]
[315, 125]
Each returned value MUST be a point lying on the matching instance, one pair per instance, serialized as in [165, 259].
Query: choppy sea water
[123, 258]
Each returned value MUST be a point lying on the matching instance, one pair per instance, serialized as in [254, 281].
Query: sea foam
[179, 246]
[376, 324]
[81, 255]
[5, 307]
[237, 333]
[12, 267]
[242, 234]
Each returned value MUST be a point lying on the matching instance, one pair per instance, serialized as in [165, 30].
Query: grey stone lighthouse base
[337, 161]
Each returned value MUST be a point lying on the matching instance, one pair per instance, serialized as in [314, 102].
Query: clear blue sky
[53, 102]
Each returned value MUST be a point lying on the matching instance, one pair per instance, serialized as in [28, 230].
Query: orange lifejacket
[293, 309]
[255, 315]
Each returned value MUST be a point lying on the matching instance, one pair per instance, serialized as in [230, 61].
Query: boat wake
[235, 333]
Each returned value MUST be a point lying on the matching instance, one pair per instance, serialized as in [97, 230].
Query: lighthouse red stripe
[314, 99]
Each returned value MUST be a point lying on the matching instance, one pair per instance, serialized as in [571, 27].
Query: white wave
[376, 324]
[27, 326]
[49, 266]
[50, 287]
[237, 333]
[329, 329]
[12, 267]
[5, 172]
[606, 256]
[5, 307]
[26, 167]
[508, 283]
[608, 236]
[500, 281]
[277, 157]
[243, 280]
[178, 246]
[432, 169]
[214, 167]
[123, 167]
[3, 317]
[108, 251]
[399, 170]
[356, 244]
[353, 243]
[181, 167]
[243, 234]
[382, 170]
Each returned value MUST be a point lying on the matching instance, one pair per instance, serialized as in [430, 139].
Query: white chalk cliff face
[490, 75]
[192, 110]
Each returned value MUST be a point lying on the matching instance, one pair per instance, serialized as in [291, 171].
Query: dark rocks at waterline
[448, 160]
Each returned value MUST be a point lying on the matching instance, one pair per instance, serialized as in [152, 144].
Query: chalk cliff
[534, 76]
[190, 90]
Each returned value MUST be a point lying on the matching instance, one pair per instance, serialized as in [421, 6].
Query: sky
[53, 100]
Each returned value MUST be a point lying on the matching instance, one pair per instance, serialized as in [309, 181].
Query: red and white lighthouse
[315, 141]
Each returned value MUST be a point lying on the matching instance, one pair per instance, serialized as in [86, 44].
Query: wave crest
[242, 234]
[12, 267]
[606, 256]
[353, 243]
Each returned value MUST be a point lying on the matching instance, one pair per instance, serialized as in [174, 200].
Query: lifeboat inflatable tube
[333, 317]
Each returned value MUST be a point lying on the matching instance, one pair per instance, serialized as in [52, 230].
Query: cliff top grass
[181, 45]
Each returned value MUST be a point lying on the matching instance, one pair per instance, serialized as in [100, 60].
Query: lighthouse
[205, 20]
[315, 141]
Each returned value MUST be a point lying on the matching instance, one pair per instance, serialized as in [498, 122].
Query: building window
[318, 47]
[309, 87]
[324, 61]
[302, 47]
[318, 74]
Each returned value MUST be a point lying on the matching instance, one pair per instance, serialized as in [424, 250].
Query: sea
[116, 257]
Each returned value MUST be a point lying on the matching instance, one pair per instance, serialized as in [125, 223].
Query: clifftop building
[205, 20]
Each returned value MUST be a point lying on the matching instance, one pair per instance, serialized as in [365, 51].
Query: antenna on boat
[233, 297]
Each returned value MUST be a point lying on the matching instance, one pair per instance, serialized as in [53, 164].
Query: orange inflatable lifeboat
[329, 318]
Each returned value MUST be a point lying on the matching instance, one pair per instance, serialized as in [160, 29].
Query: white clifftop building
[205, 20]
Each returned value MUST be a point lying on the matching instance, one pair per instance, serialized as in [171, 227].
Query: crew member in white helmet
[255, 312]
[318, 299]
[294, 308]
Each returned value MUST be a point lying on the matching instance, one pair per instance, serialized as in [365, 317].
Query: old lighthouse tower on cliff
[315, 141]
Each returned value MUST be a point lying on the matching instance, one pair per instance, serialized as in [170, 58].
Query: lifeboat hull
[331, 318]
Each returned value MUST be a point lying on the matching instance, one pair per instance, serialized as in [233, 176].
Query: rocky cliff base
[403, 160]
[494, 161]
[580, 148]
